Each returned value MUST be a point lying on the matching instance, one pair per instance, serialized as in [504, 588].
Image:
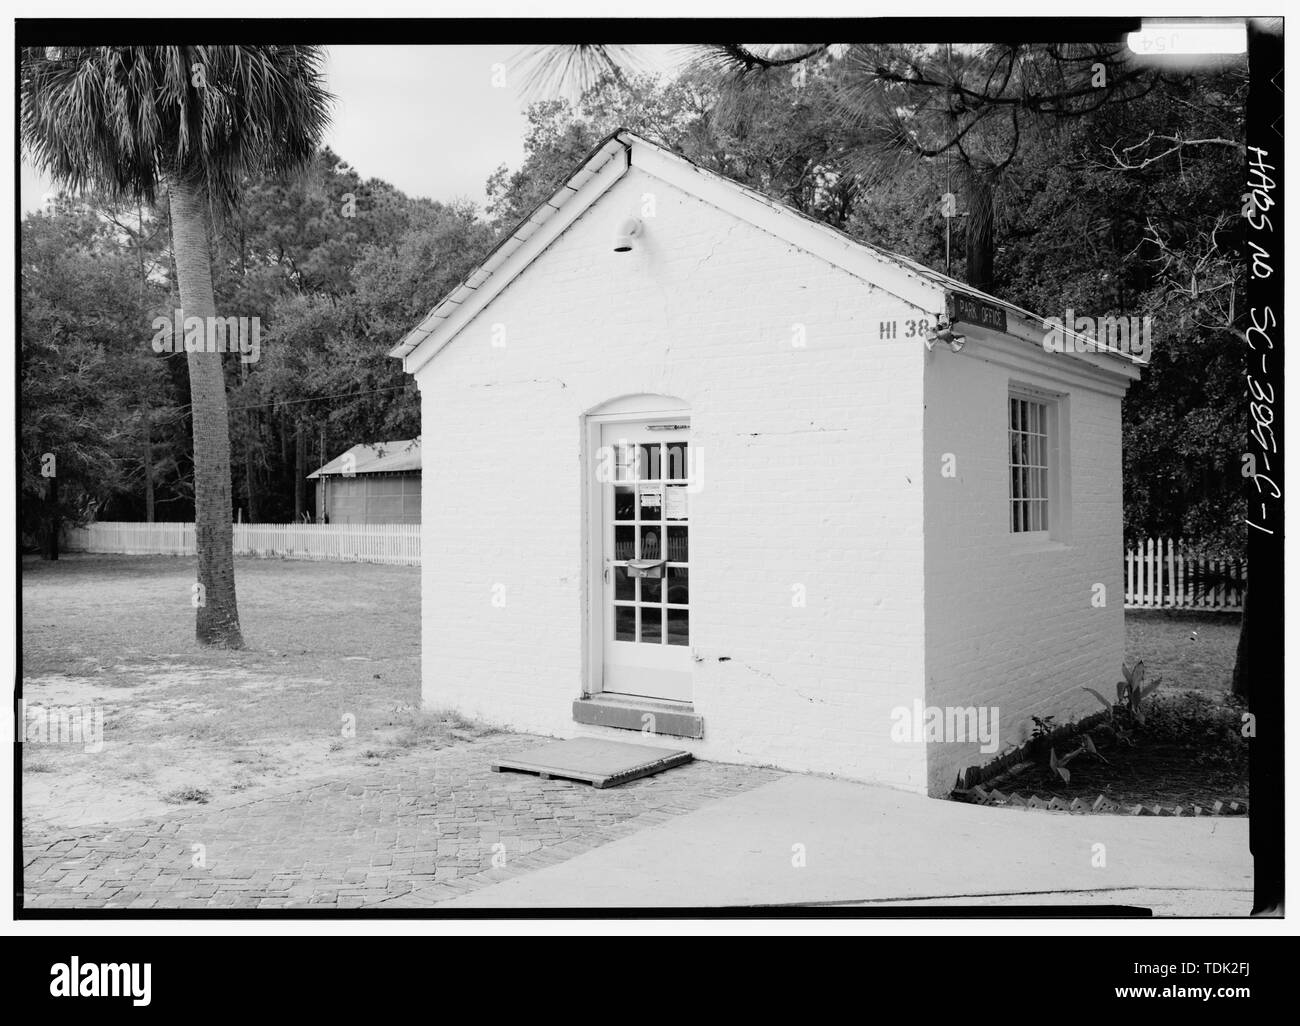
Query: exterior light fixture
[627, 230]
[942, 332]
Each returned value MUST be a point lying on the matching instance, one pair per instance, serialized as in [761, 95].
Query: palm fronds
[125, 118]
[571, 69]
[1205, 578]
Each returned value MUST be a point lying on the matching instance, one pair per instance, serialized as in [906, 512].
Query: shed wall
[1014, 623]
[806, 577]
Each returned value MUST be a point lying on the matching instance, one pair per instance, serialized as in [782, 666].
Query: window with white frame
[1028, 427]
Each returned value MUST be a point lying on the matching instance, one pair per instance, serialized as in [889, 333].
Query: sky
[430, 120]
[435, 121]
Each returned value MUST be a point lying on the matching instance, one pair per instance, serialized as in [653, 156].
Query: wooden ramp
[597, 762]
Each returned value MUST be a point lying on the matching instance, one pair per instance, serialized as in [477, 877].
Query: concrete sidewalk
[864, 844]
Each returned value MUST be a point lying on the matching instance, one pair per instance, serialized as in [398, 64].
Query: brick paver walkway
[408, 834]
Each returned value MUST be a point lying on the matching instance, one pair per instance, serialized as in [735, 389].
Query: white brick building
[752, 411]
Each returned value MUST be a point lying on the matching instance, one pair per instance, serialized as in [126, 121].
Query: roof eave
[538, 217]
[909, 280]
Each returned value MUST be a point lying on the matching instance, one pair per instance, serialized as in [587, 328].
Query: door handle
[646, 567]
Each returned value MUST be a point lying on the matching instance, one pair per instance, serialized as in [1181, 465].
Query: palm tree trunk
[979, 228]
[217, 621]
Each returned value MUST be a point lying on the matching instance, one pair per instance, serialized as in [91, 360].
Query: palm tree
[198, 120]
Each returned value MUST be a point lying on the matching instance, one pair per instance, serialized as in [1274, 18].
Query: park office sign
[969, 310]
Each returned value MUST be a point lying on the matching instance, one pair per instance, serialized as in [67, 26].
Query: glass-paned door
[647, 567]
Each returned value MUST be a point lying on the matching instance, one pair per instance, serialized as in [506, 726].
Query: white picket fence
[1158, 575]
[396, 544]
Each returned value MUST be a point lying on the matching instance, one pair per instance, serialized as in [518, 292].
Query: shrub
[1198, 721]
[1130, 695]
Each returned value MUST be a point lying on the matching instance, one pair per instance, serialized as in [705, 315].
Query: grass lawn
[1191, 651]
[330, 645]
[1191, 750]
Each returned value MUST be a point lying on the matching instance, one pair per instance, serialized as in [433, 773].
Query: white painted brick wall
[1008, 625]
[812, 463]
[814, 475]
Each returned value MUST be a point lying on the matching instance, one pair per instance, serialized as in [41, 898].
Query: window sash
[1027, 460]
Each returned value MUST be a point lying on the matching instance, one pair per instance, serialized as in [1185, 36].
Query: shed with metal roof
[371, 483]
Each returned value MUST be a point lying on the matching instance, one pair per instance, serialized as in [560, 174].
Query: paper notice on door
[676, 509]
[651, 497]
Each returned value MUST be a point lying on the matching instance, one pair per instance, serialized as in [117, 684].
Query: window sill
[1030, 544]
[671, 719]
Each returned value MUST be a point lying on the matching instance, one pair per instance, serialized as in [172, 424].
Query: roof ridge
[625, 138]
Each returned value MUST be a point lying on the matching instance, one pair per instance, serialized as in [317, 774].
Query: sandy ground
[150, 761]
[329, 681]
[145, 768]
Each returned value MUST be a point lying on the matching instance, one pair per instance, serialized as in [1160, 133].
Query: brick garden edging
[1020, 759]
[977, 795]
[977, 785]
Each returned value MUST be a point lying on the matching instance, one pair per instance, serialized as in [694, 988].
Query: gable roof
[376, 458]
[609, 161]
